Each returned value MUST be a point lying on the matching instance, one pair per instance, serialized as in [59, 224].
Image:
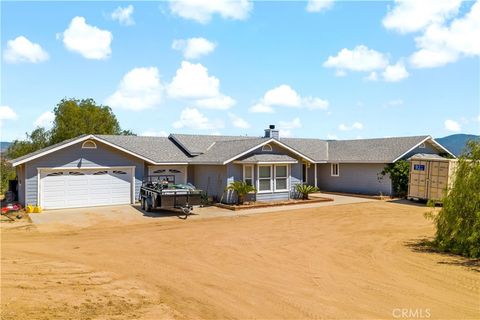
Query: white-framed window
[422, 146]
[267, 147]
[248, 174]
[281, 177]
[264, 178]
[89, 144]
[335, 169]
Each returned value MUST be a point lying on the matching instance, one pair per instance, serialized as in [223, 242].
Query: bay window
[281, 177]
[264, 178]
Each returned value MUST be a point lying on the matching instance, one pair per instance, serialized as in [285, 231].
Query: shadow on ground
[416, 203]
[157, 213]
[426, 245]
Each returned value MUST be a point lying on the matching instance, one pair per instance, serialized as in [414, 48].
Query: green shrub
[305, 190]
[242, 189]
[458, 222]
[399, 174]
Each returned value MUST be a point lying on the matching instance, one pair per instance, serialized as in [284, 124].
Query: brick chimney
[271, 132]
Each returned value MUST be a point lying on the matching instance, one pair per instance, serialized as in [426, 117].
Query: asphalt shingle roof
[315, 149]
[268, 157]
[198, 144]
[383, 150]
[222, 151]
[157, 149]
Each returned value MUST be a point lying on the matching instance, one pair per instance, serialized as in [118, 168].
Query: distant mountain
[456, 142]
[4, 146]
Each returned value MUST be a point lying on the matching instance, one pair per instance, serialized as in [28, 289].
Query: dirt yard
[357, 261]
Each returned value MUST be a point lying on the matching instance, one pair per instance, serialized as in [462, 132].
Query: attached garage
[70, 188]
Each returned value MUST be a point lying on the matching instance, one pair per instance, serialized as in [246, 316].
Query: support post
[316, 184]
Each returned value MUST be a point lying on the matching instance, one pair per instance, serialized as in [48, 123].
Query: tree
[399, 174]
[6, 173]
[38, 139]
[458, 222]
[74, 117]
[242, 189]
[305, 190]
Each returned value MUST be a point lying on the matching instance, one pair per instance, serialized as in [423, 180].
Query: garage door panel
[87, 187]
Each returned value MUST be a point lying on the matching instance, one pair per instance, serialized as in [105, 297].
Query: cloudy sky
[326, 69]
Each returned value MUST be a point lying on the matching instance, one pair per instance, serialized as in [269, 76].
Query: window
[119, 172]
[159, 171]
[281, 174]
[422, 146]
[335, 169]
[264, 178]
[98, 173]
[174, 171]
[89, 144]
[248, 175]
[75, 173]
[55, 174]
[267, 147]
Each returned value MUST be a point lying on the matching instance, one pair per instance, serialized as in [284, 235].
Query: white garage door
[85, 187]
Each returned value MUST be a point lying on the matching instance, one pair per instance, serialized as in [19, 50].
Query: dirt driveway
[355, 261]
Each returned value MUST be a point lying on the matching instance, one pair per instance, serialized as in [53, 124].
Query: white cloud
[373, 76]
[220, 102]
[395, 73]
[6, 113]
[315, 103]
[282, 95]
[194, 48]
[361, 58]
[45, 120]
[354, 126]
[286, 96]
[286, 127]
[90, 41]
[452, 125]
[261, 108]
[139, 89]
[238, 122]
[203, 10]
[441, 44]
[193, 119]
[21, 49]
[318, 5]
[154, 133]
[192, 81]
[332, 136]
[413, 15]
[395, 103]
[124, 15]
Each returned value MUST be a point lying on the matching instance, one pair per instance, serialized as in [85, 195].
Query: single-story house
[93, 170]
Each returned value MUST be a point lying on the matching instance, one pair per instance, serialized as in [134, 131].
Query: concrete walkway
[79, 218]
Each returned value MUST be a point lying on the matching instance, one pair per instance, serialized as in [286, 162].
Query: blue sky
[325, 69]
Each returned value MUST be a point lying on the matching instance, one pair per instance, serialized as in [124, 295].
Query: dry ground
[349, 261]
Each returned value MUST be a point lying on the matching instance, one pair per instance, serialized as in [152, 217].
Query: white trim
[338, 169]
[265, 149]
[89, 141]
[39, 185]
[265, 162]
[316, 178]
[251, 171]
[264, 143]
[423, 141]
[275, 177]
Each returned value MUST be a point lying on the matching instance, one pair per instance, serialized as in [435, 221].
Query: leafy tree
[399, 175]
[458, 222]
[305, 190]
[6, 173]
[242, 189]
[74, 117]
[38, 139]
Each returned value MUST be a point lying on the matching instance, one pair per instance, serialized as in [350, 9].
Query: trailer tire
[148, 204]
[186, 211]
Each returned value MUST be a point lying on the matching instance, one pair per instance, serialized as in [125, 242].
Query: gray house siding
[354, 178]
[75, 156]
[212, 179]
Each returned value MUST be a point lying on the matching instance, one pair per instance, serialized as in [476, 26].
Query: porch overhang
[267, 159]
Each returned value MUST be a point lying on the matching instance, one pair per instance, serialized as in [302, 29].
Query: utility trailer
[161, 195]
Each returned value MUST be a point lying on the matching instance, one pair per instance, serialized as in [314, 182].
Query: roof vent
[271, 132]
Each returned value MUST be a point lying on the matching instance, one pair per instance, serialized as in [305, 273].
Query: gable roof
[204, 149]
[268, 158]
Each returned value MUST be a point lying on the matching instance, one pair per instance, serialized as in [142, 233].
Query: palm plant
[241, 188]
[305, 190]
